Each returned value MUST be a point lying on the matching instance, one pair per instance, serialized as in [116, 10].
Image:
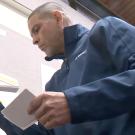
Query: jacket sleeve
[11, 129]
[114, 95]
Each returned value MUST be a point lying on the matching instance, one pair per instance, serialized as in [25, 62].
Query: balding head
[45, 10]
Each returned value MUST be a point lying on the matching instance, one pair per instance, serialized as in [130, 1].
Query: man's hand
[50, 109]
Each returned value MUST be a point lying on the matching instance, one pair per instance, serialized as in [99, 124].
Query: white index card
[16, 111]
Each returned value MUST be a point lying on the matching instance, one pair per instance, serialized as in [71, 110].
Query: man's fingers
[34, 104]
[54, 122]
[46, 117]
[50, 124]
[42, 110]
[51, 119]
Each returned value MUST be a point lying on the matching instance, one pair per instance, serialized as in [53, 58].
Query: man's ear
[58, 16]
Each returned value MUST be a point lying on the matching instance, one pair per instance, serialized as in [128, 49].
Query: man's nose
[35, 40]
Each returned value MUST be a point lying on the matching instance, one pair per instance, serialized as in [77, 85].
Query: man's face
[47, 34]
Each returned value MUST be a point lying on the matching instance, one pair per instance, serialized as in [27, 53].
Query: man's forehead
[33, 21]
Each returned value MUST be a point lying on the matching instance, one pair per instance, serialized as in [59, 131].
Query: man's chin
[48, 58]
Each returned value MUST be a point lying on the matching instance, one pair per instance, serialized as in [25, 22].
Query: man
[94, 91]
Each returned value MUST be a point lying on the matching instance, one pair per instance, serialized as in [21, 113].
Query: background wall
[18, 57]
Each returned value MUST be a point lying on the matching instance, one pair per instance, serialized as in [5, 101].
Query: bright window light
[13, 20]
[3, 32]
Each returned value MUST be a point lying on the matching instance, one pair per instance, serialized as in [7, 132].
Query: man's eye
[36, 30]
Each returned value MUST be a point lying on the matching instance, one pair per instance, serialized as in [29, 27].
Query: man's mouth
[42, 48]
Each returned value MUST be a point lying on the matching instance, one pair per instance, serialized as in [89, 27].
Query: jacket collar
[71, 36]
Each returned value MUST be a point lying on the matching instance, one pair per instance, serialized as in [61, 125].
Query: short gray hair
[46, 9]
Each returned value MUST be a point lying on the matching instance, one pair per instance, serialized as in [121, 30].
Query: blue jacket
[98, 79]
